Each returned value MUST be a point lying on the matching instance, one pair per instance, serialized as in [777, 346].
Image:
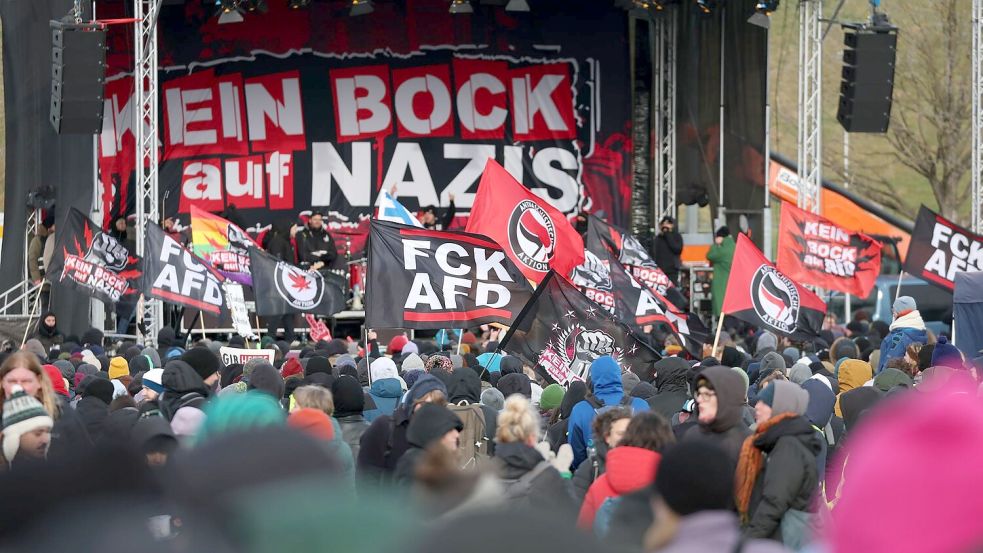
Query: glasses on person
[705, 395]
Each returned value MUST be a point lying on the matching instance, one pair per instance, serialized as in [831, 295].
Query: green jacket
[720, 257]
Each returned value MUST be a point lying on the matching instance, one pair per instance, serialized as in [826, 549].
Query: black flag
[93, 262]
[283, 288]
[174, 274]
[562, 332]
[421, 278]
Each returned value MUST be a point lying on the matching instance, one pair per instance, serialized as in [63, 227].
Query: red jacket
[629, 469]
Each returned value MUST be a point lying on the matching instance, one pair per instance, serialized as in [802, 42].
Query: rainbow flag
[223, 244]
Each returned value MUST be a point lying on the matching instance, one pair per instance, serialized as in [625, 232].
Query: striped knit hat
[21, 414]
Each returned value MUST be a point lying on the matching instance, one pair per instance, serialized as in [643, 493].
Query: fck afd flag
[760, 294]
[940, 248]
[533, 233]
[421, 278]
[562, 332]
[174, 274]
[815, 250]
[282, 288]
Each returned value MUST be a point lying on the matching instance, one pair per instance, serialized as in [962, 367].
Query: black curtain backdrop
[36, 155]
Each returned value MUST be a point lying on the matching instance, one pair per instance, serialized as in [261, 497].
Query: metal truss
[664, 113]
[977, 168]
[810, 139]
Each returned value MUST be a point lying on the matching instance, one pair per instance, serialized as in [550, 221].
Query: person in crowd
[720, 400]
[319, 425]
[720, 256]
[693, 504]
[26, 428]
[349, 405]
[558, 423]
[386, 388]
[671, 386]
[851, 374]
[668, 249]
[631, 466]
[154, 439]
[47, 331]
[773, 497]
[315, 246]
[480, 421]
[907, 329]
[431, 426]
[183, 387]
[606, 391]
[608, 429]
[277, 243]
[429, 216]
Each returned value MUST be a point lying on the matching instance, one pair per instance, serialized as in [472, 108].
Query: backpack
[600, 407]
[519, 488]
[473, 442]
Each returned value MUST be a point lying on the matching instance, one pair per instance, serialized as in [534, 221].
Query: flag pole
[716, 337]
[202, 321]
[30, 316]
[897, 291]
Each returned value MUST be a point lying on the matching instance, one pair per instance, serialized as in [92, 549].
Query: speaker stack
[78, 75]
[868, 79]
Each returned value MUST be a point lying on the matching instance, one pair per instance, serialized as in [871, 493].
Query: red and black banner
[940, 248]
[762, 295]
[562, 332]
[532, 232]
[282, 288]
[428, 279]
[605, 236]
[93, 262]
[814, 250]
[173, 274]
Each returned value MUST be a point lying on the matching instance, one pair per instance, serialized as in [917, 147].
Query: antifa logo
[775, 298]
[592, 273]
[301, 289]
[107, 251]
[532, 235]
[238, 240]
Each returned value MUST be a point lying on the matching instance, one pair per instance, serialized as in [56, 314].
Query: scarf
[912, 319]
[749, 464]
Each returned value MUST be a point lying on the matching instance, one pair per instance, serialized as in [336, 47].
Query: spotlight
[297, 4]
[461, 6]
[517, 6]
[706, 7]
[361, 7]
[256, 6]
[766, 7]
[227, 6]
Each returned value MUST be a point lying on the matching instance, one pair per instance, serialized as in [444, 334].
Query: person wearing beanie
[265, 378]
[889, 379]
[152, 385]
[843, 347]
[153, 356]
[186, 424]
[784, 486]
[410, 377]
[413, 361]
[515, 383]
[720, 256]
[694, 495]
[95, 395]
[492, 397]
[237, 413]
[205, 363]
[292, 367]
[552, 397]
[395, 346]
[947, 355]
[349, 405]
[628, 381]
[58, 383]
[908, 328]
[720, 397]
[313, 422]
[26, 427]
[317, 364]
[386, 388]
[118, 367]
[436, 362]
[431, 425]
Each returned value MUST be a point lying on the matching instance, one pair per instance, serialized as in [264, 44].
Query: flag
[762, 295]
[429, 279]
[630, 252]
[814, 250]
[282, 288]
[533, 233]
[561, 333]
[940, 248]
[221, 243]
[391, 210]
[174, 274]
[93, 262]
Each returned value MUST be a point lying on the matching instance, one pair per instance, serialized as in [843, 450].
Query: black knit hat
[722, 232]
[695, 476]
[202, 360]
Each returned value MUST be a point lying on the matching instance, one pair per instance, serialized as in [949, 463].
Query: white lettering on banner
[954, 252]
[261, 107]
[409, 155]
[471, 119]
[529, 101]
[451, 259]
[440, 99]
[186, 109]
[355, 184]
[202, 181]
[358, 94]
[197, 282]
[828, 232]
[232, 356]
[251, 185]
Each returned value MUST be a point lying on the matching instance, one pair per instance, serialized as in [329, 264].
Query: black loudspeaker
[868, 79]
[78, 75]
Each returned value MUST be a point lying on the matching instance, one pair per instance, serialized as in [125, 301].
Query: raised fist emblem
[107, 251]
[593, 344]
[593, 273]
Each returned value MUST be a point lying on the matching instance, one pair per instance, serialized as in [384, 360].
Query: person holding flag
[389, 209]
[720, 256]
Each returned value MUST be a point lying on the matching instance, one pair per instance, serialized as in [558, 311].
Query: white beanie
[21, 414]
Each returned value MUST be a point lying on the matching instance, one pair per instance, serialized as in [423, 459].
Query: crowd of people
[863, 440]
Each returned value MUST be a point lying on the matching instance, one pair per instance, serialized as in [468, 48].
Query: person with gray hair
[908, 328]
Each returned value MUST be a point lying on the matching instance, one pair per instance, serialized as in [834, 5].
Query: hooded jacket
[671, 383]
[905, 330]
[557, 432]
[606, 388]
[464, 388]
[48, 335]
[182, 388]
[429, 424]
[548, 491]
[349, 403]
[727, 430]
[714, 532]
[851, 374]
[629, 469]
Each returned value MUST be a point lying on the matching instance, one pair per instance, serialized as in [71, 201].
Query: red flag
[762, 295]
[815, 250]
[534, 234]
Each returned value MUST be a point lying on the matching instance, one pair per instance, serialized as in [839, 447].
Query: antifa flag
[762, 295]
[605, 281]
[562, 332]
[93, 262]
[430, 279]
[174, 274]
[815, 250]
[630, 252]
[282, 288]
[535, 235]
[221, 243]
[940, 248]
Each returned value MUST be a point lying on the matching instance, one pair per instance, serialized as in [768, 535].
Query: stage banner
[223, 244]
[93, 262]
[814, 250]
[429, 279]
[294, 110]
[762, 295]
[940, 248]
[282, 288]
[175, 275]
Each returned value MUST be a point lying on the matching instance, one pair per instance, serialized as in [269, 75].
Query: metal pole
[720, 150]
[977, 92]
[810, 105]
[766, 215]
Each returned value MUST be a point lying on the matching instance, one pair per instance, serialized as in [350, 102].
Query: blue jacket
[605, 381]
[896, 343]
[385, 393]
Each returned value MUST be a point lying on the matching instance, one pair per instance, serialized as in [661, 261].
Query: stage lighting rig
[361, 7]
[461, 6]
[762, 13]
[517, 6]
[255, 6]
[706, 7]
[297, 4]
